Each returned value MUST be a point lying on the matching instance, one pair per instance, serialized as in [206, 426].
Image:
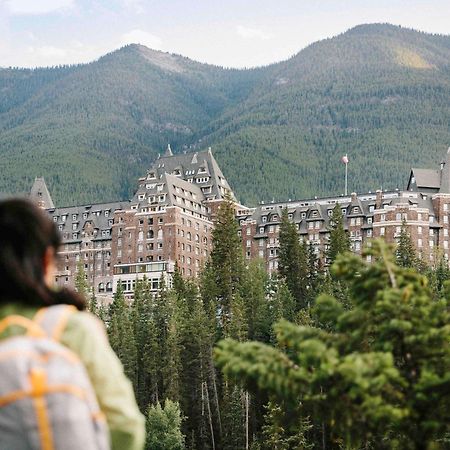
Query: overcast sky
[233, 33]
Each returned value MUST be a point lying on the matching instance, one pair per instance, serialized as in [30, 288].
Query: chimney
[379, 199]
[353, 196]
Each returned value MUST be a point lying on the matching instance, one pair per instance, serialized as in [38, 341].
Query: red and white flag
[344, 159]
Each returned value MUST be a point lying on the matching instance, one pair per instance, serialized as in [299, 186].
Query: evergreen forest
[346, 354]
[379, 93]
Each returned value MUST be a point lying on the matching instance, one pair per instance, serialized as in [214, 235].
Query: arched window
[150, 234]
[140, 236]
[109, 286]
[101, 287]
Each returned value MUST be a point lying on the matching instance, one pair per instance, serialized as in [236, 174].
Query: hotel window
[445, 232]
[431, 244]
[445, 219]
[446, 245]
[382, 231]
[249, 243]
[369, 233]
[398, 216]
[419, 230]
[419, 216]
[369, 220]
[383, 217]
[445, 206]
[419, 242]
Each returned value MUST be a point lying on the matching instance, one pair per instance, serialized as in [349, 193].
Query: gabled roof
[424, 178]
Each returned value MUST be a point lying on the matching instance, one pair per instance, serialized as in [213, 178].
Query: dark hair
[26, 232]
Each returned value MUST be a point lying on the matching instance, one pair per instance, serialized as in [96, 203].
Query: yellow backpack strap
[53, 319]
[32, 328]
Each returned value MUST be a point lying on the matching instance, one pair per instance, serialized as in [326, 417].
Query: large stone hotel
[170, 218]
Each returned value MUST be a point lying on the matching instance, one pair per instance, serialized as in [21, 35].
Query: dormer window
[151, 176]
[202, 170]
[74, 216]
[55, 218]
[355, 210]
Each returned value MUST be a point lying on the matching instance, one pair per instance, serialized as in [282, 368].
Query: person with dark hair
[29, 242]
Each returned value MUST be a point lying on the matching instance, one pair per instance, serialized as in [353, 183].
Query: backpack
[47, 401]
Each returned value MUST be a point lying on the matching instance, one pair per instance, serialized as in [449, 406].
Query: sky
[230, 33]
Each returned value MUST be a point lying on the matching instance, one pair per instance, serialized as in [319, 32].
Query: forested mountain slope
[377, 92]
[91, 130]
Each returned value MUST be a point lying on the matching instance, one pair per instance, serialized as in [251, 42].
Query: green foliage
[225, 270]
[383, 372]
[339, 241]
[376, 92]
[293, 260]
[164, 427]
[405, 252]
[279, 434]
[120, 333]
[81, 283]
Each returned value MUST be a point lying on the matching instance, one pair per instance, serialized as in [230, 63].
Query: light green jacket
[85, 335]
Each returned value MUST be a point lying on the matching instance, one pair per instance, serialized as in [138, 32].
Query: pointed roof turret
[168, 151]
[40, 194]
[445, 174]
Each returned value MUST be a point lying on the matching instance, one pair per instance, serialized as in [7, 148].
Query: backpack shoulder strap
[33, 329]
[53, 319]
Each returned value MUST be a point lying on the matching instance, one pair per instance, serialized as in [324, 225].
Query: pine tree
[256, 306]
[81, 283]
[339, 241]
[382, 374]
[292, 261]
[93, 305]
[121, 333]
[405, 252]
[164, 427]
[223, 276]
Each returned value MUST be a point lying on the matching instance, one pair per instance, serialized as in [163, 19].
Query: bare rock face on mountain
[377, 92]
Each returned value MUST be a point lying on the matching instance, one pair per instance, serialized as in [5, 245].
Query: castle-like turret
[40, 194]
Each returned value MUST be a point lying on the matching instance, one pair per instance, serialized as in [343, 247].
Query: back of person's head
[26, 234]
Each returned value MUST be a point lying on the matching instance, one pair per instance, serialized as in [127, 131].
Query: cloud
[48, 52]
[142, 37]
[136, 6]
[252, 33]
[36, 7]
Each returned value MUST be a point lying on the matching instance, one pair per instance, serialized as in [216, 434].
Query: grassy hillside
[377, 92]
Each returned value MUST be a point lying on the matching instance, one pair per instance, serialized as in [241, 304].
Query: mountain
[377, 92]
